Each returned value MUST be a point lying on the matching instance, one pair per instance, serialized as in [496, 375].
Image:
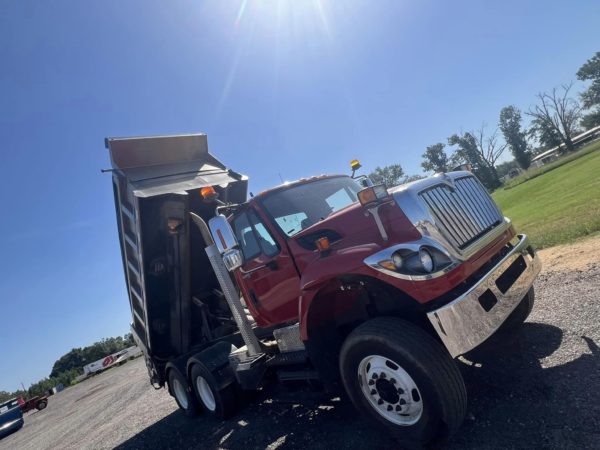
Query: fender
[347, 261]
[216, 359]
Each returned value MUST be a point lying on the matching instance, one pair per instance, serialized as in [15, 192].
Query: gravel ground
[540, 389]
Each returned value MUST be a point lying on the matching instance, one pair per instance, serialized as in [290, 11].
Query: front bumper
[469, 320]
[9, 427]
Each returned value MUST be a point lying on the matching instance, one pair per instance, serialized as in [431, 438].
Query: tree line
[556, 118]
[69, 366]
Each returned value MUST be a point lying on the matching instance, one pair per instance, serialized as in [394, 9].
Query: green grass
[537, 171]
[560, 206]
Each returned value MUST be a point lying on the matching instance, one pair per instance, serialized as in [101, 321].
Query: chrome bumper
[464, 323]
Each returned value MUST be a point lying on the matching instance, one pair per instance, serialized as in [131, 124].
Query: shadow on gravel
[274, 419]
[513, 402]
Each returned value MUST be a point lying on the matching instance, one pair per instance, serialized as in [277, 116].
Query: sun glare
[284, 23]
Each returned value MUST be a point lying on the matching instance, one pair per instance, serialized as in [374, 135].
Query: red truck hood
[351, 227]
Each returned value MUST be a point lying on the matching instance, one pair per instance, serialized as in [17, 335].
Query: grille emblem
[448, 181]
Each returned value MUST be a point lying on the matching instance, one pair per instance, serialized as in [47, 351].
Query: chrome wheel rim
[180, 393]
[205, 393]
[390, 390]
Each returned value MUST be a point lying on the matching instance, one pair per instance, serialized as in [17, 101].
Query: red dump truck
[37, 402]
[371, 290]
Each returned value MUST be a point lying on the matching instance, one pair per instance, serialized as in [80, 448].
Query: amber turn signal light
[322, 244]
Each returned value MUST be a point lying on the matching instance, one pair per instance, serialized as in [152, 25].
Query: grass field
[538, 171]
[558, 206]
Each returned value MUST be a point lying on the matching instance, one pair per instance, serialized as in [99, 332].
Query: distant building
[579, 140]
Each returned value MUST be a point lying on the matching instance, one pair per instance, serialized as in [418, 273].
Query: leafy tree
[389, 175]
[590, 98]
[510, 125]
[558, 114]
[481, 152]
[435, 159]
[79, 357]
[546, 136]
[591, 120]
[504, 168]
[69, 366]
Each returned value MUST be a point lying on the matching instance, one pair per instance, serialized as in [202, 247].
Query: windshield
[301, 206]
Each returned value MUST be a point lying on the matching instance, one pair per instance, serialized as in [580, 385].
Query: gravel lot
[540, 390]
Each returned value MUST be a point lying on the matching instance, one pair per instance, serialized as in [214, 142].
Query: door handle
[271, 265]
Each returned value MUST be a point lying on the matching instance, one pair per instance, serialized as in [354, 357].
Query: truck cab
[328, 278]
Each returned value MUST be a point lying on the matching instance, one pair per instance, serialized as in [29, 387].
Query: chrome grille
[463, 210]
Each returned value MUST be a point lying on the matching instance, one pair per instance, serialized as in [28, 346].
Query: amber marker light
[209, 193]
[372, 194]
[322, 244]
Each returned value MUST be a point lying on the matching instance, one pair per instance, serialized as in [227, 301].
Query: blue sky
[281, 87]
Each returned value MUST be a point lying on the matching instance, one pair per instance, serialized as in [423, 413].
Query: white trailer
[110, 360]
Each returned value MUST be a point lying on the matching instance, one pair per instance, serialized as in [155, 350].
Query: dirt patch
[580, 255]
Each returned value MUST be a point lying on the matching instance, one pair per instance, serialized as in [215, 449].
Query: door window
[246, 237]
[265, 240]
[253, 236]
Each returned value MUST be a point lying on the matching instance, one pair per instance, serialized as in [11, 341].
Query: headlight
[397, 260]
[420, 260]
[426, 260]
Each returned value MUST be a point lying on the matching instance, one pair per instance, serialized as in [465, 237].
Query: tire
[41, 405]
[186, 400]
[409, 372]
[219, 402]
[520, 314]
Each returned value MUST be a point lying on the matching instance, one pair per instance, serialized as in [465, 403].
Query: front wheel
[403, 379]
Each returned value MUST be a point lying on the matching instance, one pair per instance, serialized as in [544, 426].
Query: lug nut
[380, 402]
[389, 408]
[375, 376]
[382, 375]
[371, 382]
[402, 401]
[373, 392]
[398, 408]
[393, 380]
[400, 391]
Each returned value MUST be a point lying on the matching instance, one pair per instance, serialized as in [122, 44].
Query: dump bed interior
[174, 296]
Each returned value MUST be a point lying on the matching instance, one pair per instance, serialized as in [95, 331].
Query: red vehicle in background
[37, 402]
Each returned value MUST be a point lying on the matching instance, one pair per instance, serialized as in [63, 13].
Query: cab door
[268, 278]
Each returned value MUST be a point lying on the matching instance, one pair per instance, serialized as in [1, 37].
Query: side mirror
[226, 242]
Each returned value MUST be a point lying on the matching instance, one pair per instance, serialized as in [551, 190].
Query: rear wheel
[403, 379]
[215, 399]
[41, 405]
[183, 395]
